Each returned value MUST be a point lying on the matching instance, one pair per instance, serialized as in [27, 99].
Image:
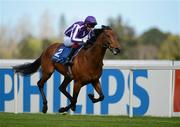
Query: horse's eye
[108, 35]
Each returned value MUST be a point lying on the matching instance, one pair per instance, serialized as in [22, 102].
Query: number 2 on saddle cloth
[62, 53]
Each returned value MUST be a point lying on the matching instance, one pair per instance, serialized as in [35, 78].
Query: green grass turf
[58, 120]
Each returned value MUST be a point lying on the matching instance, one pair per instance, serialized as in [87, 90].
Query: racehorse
[87, 67]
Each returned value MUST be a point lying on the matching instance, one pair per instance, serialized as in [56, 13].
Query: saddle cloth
[62, 53]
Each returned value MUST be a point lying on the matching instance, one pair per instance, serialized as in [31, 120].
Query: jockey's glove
[87, 44]
[84, 40]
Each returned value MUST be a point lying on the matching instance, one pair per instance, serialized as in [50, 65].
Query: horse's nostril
[118, 50]
[115, 51]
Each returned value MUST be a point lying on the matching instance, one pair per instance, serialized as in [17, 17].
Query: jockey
[77, 35]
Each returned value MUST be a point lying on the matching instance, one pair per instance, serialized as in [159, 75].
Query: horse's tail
[28, 68]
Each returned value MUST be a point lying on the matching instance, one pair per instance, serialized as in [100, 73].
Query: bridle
[107, 45]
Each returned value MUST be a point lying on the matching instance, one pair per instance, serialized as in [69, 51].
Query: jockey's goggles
[91, 25]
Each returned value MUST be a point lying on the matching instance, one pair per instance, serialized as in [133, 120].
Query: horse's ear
[103, 26]
[106, 27]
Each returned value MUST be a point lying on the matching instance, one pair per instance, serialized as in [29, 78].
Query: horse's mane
[97, 32]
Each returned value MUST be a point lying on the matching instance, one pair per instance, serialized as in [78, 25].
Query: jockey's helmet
[91, 21]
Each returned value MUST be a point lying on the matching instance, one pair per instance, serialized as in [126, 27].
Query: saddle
[62, 53]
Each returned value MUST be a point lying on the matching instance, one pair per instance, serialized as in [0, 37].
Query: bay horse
[87, 67]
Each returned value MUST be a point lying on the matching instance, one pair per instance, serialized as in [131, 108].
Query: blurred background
[147, 29]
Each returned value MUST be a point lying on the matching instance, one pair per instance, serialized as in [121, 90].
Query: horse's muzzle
[116, 51]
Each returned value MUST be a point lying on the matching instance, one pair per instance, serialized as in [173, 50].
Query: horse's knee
[74, 101]
[73, 108]
[61, 88]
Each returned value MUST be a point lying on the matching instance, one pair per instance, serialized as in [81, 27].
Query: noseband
[106, 45]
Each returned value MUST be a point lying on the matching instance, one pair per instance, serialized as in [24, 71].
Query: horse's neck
[96, 52]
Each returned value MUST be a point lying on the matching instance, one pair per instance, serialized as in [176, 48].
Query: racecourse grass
[58, 120]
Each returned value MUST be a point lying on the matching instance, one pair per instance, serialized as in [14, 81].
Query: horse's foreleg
[76, 90]
[97, 87]
[41, 86]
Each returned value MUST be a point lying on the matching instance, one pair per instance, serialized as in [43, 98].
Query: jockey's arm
[90, 39]
[74, 35]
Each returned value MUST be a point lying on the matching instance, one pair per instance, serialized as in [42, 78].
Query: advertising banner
[151, 93]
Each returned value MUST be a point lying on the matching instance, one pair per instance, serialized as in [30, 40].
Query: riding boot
[68, 60]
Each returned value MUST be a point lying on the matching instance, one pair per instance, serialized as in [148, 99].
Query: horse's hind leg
[97, 87]
[63, 87]
[40, 84]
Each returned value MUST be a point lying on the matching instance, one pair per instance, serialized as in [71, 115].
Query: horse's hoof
[91, 96]
[73, 108]
[61, 110]
[45, 108]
